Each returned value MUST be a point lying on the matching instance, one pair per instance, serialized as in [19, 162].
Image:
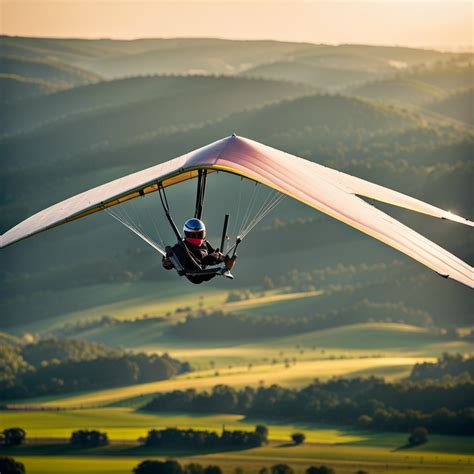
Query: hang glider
[332, 192]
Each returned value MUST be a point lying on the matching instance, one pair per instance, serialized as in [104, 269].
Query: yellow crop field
[342, 448]
[125, 424]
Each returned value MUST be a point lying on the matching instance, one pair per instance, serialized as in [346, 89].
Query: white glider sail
[322, 188]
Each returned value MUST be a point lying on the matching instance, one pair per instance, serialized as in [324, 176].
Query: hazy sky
[442, 24]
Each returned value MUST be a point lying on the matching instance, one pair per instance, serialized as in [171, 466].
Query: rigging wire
[122, 216]
[275, 199]
[266, 202]
[250, 205]
[155, 225]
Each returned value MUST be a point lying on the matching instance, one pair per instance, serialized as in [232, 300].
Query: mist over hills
[162, 98]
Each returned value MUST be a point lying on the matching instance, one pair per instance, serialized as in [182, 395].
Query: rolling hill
[107, 94]
[399, 90]
[14, 87]
[118, 58]
[167, 106]
[192, 56]
[57, 73]
[323, 77]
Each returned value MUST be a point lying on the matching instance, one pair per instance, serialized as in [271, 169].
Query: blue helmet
[194, 228]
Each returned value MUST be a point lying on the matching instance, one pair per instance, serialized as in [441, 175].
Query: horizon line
[458, 48]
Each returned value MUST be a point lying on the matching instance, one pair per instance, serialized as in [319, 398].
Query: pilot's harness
[200, 270]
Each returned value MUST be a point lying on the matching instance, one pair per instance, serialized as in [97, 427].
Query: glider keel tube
[327, 190]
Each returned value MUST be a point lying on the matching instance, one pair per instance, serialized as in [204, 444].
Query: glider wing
[322, 188]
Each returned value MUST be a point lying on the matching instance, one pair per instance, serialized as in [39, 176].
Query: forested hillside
[55, 366]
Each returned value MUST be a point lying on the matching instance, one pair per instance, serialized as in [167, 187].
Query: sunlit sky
[443, 24]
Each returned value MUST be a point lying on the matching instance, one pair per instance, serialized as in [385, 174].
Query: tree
[320, 470]
[89, 438]
[158, 467]
[298, 438]
[13, 436]
[418, 436]
[10, 466]
[281, 469]
[262, 431]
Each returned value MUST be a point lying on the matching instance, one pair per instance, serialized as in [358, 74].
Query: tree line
[444, 407]
[201, 439]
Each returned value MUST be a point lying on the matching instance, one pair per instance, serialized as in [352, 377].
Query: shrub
[13, 436]
[298, 438]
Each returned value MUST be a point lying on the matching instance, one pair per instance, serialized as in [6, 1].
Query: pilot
[200, 252]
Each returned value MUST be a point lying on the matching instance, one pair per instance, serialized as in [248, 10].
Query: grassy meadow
[339, 447]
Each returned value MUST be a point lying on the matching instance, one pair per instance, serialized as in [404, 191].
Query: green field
[340, 447]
